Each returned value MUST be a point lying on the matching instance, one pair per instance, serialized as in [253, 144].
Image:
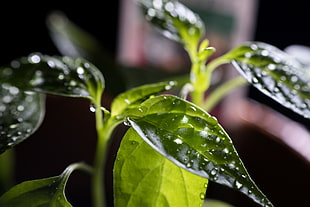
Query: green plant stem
[223, 90]
[104, 131]
[202, 78]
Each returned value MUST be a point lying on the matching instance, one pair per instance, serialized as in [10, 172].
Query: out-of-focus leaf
[55, 75]
[137, 95]
[175, 21]
[73, 41]
[48, 192]
[21, 113]
[143, 177]
[194, 140]
[275, 73]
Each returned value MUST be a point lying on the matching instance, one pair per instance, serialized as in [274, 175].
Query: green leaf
[48, 192]
[143, 177]
[192, 139]
[137, 95]
[175, 21]
[275, 73]
[21, 113]
[55, 75]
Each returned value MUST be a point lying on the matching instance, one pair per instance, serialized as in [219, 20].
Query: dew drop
[20, 108]
[212, 120]
[127, 122]
[72, 83]
[61, 76]
[248, 54]
[127, 101]
[202, 196]
[80, 70]
[193, 108]
[133, 142]
[271, 66]
[15, 64]
[34, 58]
[7, 99]
[13, 126]
[254, 47]
[2, 108]
[254, 80]
[151, 12]
[178, 141]
[92, 108]
[264, 52]
[238, 185]
[294, 79]
[13, 90]
[213, 172]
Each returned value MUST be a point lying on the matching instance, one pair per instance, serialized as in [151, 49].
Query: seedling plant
[173, 147]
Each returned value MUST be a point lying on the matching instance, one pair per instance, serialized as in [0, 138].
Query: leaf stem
[223, 90]
[104, 129]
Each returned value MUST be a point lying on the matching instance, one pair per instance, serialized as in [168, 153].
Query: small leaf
[137, 95]
[175, 21]
[192, 139]
[21, 114]
[143, 177]
[55, 75]
[275, 73]
[47, 192]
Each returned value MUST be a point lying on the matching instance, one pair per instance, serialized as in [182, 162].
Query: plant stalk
[104, 131]
[223, 90]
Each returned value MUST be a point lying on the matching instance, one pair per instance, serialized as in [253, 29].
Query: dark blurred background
[67, 134]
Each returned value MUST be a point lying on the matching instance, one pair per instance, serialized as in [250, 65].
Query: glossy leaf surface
[143, 177]
[137, 95]
[48, 192]
[275, 73]
[192, 139]
[175, 21]
[55, 75]
[20, 115]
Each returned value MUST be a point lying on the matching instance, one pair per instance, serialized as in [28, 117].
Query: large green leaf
[275, 73]
[55, 75]
[143, 177]
[175, 21]
[192, 139]
[48, 192]
[137, 95]
[21, 113]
